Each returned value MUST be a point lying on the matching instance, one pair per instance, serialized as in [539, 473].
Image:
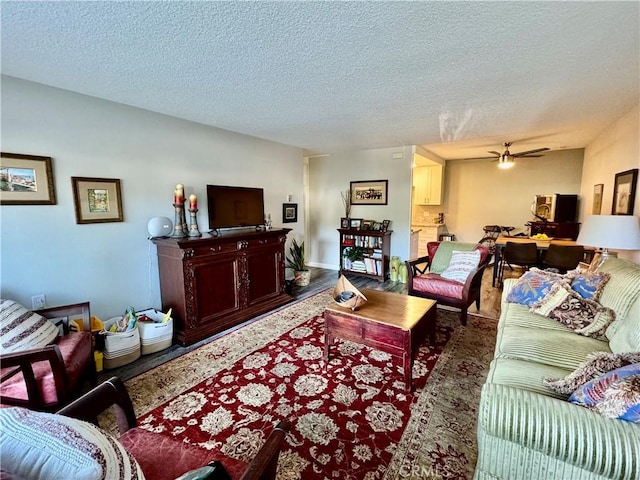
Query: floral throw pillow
[589, 284]
[461, 265]
[583, 316]
[533, 285]
[596, 364]
[615, 394]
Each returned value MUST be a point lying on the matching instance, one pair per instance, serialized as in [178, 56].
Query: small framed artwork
[377, 226]
[97, 200]
[355, 223]
[289, 212]
[367, 225]
[26, 180]
[597, 198]
[370, 192]
[344, 222]
[385, 225]
[624, 192]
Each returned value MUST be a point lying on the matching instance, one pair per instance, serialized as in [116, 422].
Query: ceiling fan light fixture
[506, 161]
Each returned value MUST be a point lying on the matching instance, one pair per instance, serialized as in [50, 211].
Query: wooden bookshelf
[377, 247]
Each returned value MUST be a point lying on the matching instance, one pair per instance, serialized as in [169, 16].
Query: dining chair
[520, 254]
[563, 257]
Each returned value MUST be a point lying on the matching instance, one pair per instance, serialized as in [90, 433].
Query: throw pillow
[533, 285]
[442, 258]
[22, 329]
[589, 284]
[461, 265]
[594, 392]
[46, 445]
[622, 400]
[583, 316]
[596, 364]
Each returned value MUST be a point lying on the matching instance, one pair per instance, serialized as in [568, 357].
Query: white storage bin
[156, 335]
[120, 348]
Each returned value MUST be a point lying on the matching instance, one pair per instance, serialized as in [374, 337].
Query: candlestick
[180, 224]
[193, 229]
[193, 202]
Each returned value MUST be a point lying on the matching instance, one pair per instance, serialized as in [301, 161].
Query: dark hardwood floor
[321, 279]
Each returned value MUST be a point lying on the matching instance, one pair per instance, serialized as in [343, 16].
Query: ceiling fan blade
[520, 154]
[497, 154]
[476, 158]
[528, 156]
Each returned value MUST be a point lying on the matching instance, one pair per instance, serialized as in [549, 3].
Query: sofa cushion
[461, 265]
[626, 336]
[593, 392]
[520, 316]
[621, 400]
[547, 346]
[22, 329]
[436, 285]
[581, 315]
[46, 445]
[533, 285]
[589, 284]
[621, 291]
[440, 261]
[525, 375]
[598, 363]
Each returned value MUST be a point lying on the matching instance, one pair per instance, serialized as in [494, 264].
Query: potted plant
[353, 254]
[296, 262]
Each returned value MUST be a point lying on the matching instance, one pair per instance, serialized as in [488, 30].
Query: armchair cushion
[75, 349]
[436, 285]
[461, 265]
[442, 258]
[45, 445]
[22, 329]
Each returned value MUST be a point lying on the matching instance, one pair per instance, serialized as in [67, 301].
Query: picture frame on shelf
[26, 180]
[289, 212]
[624, 192]
[598, 189]
[355, 223]
[97, 200]
[344, 222]
[377, 226]
[369, 192]
[385, 225]
[367, 225]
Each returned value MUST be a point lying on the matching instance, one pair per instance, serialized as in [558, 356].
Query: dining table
[541, 245]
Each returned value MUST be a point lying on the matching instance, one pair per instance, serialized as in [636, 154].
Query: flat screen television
[230, 207]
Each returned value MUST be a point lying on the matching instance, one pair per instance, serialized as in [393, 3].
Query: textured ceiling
[459, 78]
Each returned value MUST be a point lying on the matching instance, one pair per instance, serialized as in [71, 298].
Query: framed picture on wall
[289, 212]
[624, 192]
[370, 192]
[26, 180]
[97, 200]
[597, 198]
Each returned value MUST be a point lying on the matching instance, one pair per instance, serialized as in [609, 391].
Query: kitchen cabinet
[427, 184]
[427, 233]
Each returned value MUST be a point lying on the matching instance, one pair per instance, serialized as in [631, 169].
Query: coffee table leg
[406, 365]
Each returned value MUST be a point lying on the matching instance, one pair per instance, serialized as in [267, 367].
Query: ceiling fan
[506, 158]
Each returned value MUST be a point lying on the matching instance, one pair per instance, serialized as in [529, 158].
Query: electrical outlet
[38, 302]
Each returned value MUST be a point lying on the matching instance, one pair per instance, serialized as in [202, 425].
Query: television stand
[216, 282]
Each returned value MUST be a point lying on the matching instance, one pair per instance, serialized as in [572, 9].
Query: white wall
[478, 193]
[329, 175]
[113, 265]
[617, 149]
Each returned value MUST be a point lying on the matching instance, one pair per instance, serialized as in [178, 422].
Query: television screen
[234, 206]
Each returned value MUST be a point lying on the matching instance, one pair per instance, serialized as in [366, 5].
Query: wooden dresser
[214, 283]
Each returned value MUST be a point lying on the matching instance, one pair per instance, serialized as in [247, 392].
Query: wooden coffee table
[390, 322]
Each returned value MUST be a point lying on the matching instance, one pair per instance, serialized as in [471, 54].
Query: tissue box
[155, 336]
[120, 348]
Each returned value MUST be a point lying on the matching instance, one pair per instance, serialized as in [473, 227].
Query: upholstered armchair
[162, 457]
[42, 369]
[450, 278]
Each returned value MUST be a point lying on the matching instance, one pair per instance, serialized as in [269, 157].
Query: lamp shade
[617, 232]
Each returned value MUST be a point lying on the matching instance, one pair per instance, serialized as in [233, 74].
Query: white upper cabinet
[427, 184]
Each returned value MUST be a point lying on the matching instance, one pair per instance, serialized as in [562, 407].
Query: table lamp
[618, 232]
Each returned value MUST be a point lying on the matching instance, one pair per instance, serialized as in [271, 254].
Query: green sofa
[526, 430]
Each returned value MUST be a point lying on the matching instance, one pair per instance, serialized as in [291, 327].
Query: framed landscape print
[624, 192]
[370, 192]
[289, 212]
[97, 200]
[26, 180]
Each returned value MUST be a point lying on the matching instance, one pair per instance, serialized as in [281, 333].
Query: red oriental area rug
[350, 420]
